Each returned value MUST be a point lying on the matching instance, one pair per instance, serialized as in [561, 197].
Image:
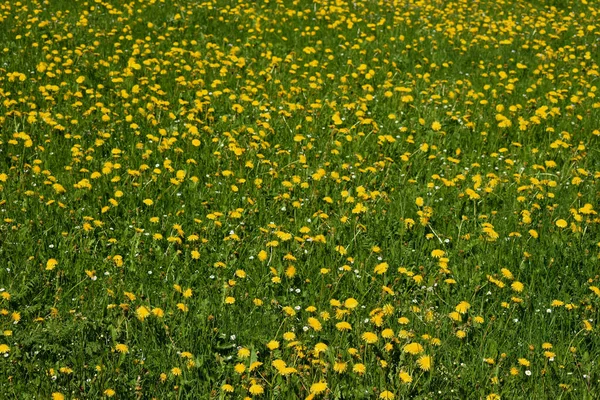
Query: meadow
[288, 199]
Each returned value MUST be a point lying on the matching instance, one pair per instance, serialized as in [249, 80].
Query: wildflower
[58, 396]
[158, 312]
[243, 353]
[517, 286]
[227, 388]
[176, 371]
[109, 392]
[424, 363]
[51, 264]
[256, 389]
[262, 255]
[369, 337]
[314, 323]
[524, 362]
[229, 300]
[340, 367]
[359, 368]
[320, 348]
[405, 377]
[272, 345]
[387, 333]
[318, 387]
[350, 303]
[122, 348]
[413, 348]
[381, 268]
[437, 253]
[462, 307]
[386, 395]
[343, 326]
[239, 368]
[142, 312]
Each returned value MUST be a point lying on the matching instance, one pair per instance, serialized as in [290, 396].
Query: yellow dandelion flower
[340, 367]
[262, 255]
[533, 233]
[158, 312]
[463, 307]
[318, 387]
[387, 333]
[425, 363]
[437, 253]
[256, 390]
[315, 324]
[243, 353]
[370, 337]
[561, 223]
[359, 368]
[239, 368]
[405, 377]
[381, 268]
[122, 348]
[51, 264]
[142, 313]
[343, 326]
[272, 345]
[506, 273]
[413, 348]
[350, 303]
[227, 388]
[517, 286]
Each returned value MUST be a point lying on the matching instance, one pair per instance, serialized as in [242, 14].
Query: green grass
[289, 150]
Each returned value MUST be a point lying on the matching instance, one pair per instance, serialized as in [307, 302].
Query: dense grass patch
[294, 199]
